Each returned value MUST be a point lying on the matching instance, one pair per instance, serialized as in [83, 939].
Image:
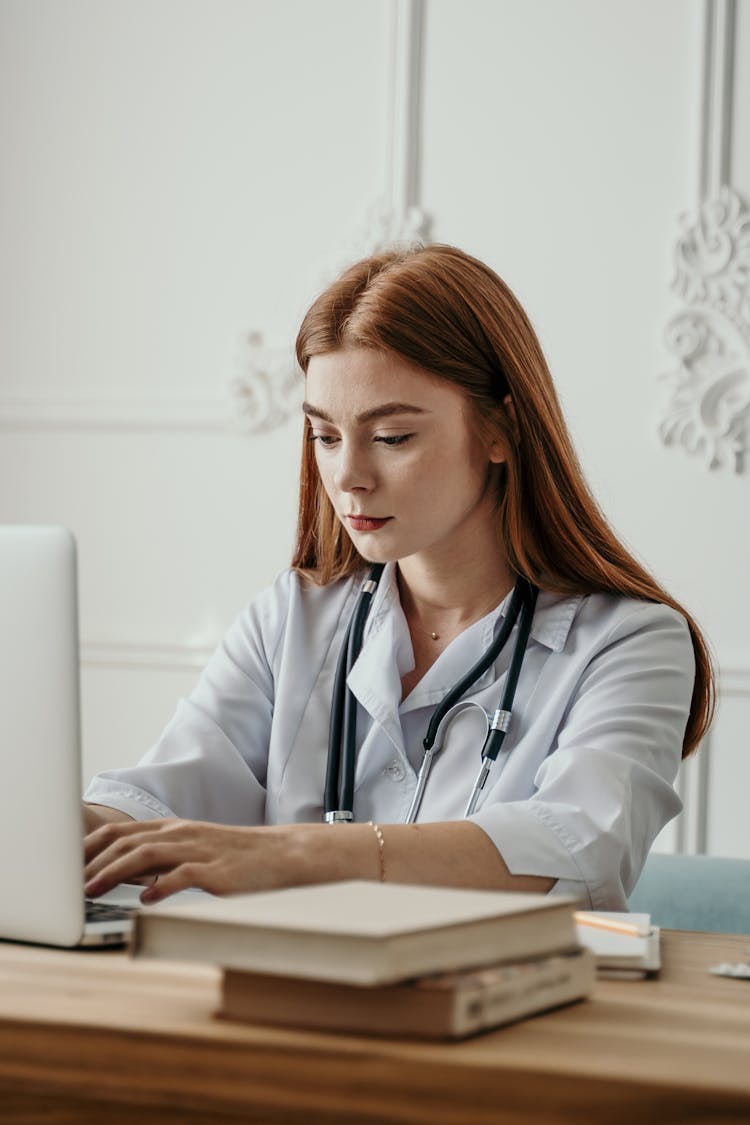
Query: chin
[375, 556]
[375, 553]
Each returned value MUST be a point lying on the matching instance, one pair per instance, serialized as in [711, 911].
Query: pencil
[599, 922]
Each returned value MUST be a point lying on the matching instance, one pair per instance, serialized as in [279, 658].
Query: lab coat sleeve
[606, 788]
[210, 762]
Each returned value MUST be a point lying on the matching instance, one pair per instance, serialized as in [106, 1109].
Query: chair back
[695, 892]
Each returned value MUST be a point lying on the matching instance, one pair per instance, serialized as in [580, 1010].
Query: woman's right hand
[94, 816]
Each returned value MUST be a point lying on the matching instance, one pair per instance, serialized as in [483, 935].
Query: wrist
[329, 853]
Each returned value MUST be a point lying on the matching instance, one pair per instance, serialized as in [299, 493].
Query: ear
[498, 453]
[499, 447]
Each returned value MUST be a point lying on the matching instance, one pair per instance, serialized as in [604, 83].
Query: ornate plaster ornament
[709, 402]
[268, 387]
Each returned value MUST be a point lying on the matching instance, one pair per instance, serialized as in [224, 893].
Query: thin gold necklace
[425, 632]
[433, 635]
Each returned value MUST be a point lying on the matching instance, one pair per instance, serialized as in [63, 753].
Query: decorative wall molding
[263, 394]
[398, 216]
[694, 780]
[734, 680]
[692, 785]
[709, 403]
[116, 413]
[269, 390]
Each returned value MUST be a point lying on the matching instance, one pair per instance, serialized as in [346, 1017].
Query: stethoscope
[339, 785]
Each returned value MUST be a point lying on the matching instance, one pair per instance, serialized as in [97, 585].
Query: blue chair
[695, 892]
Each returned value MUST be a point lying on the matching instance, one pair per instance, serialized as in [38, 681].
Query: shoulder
[651, 634]
[615, 615]
[293, 602]
[292, 589]
[582, 625]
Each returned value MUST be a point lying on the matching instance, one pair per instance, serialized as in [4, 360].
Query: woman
[434, 444]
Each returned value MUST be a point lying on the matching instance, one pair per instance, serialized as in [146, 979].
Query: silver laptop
[41, 823]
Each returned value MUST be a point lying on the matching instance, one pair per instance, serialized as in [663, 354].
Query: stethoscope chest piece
[468, 723]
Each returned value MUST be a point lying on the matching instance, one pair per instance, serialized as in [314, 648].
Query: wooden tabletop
[97, 1037]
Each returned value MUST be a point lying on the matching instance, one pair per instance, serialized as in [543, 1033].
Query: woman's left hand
[217, 858]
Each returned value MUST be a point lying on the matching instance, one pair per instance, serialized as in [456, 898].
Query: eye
[325, 440]
[395, 439]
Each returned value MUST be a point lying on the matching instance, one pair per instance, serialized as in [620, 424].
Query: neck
[444, 600]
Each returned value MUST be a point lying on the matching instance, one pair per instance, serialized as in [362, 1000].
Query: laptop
[41, 822]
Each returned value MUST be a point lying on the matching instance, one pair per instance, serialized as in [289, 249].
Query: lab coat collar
[387, 652]
[553, 616]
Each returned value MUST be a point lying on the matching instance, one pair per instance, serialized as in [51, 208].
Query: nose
[352, 472]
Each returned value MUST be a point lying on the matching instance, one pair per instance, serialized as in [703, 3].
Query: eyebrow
[385, 411]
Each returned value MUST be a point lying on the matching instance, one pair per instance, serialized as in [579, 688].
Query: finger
[113, 845]
[187, 875]
[112, 868]
[102, 837]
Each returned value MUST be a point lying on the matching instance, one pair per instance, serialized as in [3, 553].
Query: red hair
[451, 315]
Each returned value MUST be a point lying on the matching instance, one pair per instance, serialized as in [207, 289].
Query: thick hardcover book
[446, 1006]
[358, 932]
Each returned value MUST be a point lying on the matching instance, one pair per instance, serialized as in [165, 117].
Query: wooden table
[90, 1037]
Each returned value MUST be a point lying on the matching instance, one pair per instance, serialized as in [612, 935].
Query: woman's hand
[224, 859]
[178, 854]
[94, 815]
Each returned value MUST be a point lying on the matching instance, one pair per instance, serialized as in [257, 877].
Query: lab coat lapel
[386, 655]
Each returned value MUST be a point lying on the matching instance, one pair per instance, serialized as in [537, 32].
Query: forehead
[354, 380]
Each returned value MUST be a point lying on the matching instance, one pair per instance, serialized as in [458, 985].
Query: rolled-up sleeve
[605, 790]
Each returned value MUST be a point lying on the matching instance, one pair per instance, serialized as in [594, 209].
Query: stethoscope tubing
[341, 764]
[514, 609]
[342, 733]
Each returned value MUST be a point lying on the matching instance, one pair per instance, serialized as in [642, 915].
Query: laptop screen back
[41, 841]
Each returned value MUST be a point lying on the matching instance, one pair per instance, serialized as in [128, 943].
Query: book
[624, 956]
[445, 1006]
[357, 932]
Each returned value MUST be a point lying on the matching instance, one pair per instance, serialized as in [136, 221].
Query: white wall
[181, 173]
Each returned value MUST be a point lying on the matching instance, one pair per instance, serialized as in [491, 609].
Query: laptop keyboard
[105, 912]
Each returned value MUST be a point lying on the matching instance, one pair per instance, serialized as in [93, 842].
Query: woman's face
[398, 457]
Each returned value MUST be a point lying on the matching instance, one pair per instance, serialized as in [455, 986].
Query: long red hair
[452, 316]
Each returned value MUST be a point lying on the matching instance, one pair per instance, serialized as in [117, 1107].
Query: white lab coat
[584, 780]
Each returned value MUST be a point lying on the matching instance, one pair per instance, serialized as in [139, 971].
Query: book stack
[378, 958]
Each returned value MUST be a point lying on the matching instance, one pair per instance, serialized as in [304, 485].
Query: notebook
[623, 956]
[41, 824]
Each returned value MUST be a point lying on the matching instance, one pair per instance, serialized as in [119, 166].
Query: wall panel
[181, 174]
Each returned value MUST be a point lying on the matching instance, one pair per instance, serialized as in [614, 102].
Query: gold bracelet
[381, 847]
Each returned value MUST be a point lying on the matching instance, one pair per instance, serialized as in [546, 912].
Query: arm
[229, 860]
[94, 816]
[604, 789]
[210, 761]
[601, 790]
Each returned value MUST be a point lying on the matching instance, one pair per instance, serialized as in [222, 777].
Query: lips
[366, 523]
